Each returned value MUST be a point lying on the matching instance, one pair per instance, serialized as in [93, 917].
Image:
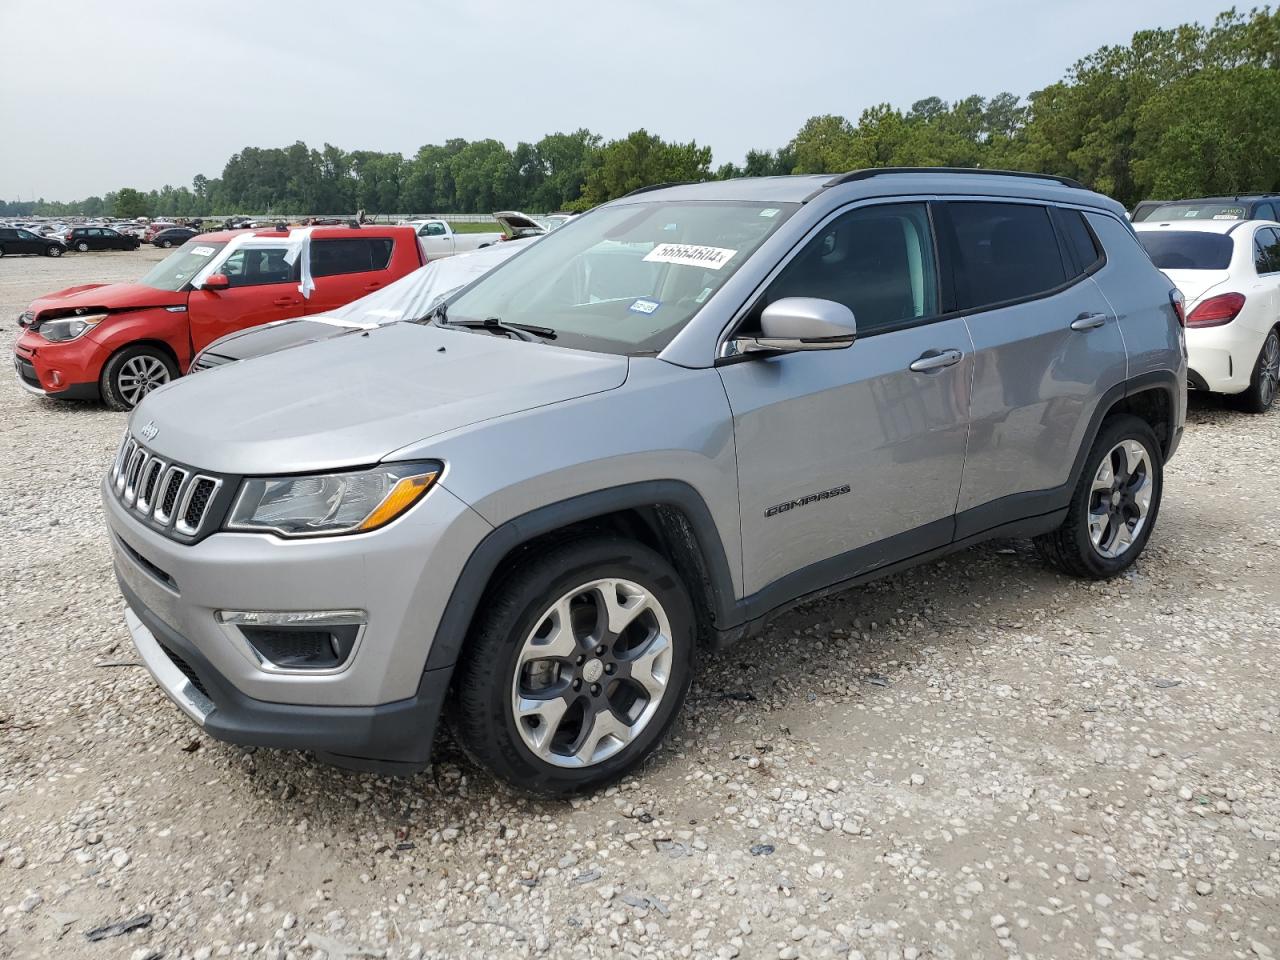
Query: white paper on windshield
[690, 255]
[202, 251]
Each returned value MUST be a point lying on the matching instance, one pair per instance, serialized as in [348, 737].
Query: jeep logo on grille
[149, 430]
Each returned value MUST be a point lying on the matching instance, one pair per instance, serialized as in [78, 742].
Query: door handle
[936, 361]
[284, 301]
[1088, 321]
[372, 286]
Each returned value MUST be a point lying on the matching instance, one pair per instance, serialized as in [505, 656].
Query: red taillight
[1217, 311]
[1179, 306]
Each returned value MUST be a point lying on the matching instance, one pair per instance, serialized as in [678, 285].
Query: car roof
[318, 233]
[882, 182]
[1197, 226]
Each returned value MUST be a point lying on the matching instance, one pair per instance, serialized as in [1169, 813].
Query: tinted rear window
[1007, 251]
[1079, 239]
[332, 257]
[1184, 250]
[1197, 210]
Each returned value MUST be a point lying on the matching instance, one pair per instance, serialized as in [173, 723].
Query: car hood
[351, 400]
[113, 296]
[259, 341]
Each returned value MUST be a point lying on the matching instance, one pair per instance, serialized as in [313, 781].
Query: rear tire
[130, 374]
[1261, 394]
[1115, 504]
[553, 694]
[82, 247]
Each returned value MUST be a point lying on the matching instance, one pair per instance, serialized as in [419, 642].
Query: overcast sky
[100, 95]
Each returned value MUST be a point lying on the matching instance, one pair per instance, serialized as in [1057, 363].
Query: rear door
[346, 269]
[851, 459]
[264, 287]
[1046, 343]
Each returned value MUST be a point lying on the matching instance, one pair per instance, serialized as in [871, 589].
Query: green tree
[128, 202]
[639, 160]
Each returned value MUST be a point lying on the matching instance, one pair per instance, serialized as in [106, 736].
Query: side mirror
[216, 281]
[799, 323]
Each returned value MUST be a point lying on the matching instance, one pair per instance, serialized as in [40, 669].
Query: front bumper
[390, 738]
[381, 705]
[65, 371]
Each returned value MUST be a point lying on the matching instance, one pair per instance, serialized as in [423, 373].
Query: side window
[432, 230]
[1265, 211]
[1005, 251]
[878, 261]
[253, 266]
[1266, 250]
[332, 257]
[1081, 246]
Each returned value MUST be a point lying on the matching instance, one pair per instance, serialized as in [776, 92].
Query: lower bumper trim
[390, 738]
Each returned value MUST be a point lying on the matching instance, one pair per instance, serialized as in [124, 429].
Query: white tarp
[414, 296]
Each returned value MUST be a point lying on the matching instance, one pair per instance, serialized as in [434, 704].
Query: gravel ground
[980, 758]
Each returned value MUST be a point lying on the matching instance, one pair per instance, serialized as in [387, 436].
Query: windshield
[1197, 210]
[624, 279]
[176, 270]
[1185, 250]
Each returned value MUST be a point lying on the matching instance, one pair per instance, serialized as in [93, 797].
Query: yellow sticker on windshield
[690, 255]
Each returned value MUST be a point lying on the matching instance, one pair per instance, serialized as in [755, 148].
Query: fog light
[302, 640]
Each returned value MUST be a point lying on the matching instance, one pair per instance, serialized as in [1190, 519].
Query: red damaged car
[120, 341]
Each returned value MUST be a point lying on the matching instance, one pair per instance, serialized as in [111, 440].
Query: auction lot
[980, 758]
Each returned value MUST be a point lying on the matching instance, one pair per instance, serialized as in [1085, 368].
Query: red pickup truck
[117, 342]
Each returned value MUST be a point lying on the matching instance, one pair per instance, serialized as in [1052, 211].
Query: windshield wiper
[521, 330]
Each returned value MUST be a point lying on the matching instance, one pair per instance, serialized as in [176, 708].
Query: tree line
[1177, 112]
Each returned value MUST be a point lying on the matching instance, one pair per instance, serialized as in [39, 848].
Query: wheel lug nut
[595, 689]
[581, 661]
[609, 668]
[577, 684]
[600, 649]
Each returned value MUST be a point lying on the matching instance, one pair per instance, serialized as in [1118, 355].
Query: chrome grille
[175, 499]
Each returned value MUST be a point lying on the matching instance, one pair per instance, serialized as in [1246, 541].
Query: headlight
[330, 503]
[68, 328]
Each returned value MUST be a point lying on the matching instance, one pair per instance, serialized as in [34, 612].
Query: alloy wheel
[1120, 498]
[1269, 369]
[592, 673]
[139, 376]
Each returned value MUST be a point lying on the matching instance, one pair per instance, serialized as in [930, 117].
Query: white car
[1229, 272]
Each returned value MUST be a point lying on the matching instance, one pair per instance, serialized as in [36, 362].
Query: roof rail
[658, 186]
[867, 174]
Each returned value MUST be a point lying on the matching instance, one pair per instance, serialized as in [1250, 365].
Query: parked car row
[563, 465]
[118, 342]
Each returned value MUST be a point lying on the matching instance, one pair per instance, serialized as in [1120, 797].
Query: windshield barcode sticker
[645, 305]
[690, 255]
[201, 251]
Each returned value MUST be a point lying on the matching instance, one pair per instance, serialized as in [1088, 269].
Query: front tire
[132, 373]
[166, 244]
[1261, 393]
[1115, 504]
[53, 251]
[575, 667]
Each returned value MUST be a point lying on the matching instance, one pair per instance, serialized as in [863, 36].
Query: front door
[850, 459]
[435, 240]
[264, 287]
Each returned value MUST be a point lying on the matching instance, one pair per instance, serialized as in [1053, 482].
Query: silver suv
[639, 438]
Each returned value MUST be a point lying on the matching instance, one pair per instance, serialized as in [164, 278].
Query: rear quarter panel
[1139, 295]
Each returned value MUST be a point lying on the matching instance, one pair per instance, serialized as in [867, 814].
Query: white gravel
[980, 758]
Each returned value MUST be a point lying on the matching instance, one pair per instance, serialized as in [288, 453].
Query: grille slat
[172, 498]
